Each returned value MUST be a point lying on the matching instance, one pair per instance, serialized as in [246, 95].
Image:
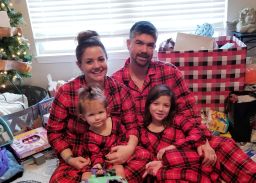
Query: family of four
[142, 121]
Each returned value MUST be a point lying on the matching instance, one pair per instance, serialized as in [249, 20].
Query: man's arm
[189, 121]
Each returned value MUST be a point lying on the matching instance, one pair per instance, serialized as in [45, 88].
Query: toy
[30, 142]
[109, 176]
[167, 45]
[247, 21]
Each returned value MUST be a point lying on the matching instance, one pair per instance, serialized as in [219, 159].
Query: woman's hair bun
[82, 36]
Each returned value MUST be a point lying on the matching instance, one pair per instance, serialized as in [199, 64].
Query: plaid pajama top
[66, 130]
[154, 142]
[186, 117]
[179, 157]
[99, 145]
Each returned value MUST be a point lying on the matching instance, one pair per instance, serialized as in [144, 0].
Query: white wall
[66, 70]
[233, 9]
[235, 6]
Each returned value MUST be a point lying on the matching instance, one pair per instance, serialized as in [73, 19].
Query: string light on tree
[13, 47]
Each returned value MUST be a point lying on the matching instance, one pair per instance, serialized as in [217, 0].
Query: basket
[6, 136]
[34, 94]
[211, 74]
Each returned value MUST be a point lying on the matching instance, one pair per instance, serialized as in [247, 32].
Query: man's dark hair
[143, 27]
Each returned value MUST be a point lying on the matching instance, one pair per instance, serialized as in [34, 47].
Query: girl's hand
[119, 154]
[162, 151]
[152, 168]
[79, 162]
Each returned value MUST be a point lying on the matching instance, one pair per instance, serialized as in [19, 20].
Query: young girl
[175, 162]
[104, 131]
[160, 137]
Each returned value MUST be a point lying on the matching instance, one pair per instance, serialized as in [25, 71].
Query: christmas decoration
[15, 59]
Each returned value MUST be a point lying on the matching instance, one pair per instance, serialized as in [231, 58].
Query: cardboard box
[30, 142]
[193, 42]
[211, 74]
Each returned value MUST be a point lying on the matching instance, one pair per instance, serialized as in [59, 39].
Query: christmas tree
[15, 59]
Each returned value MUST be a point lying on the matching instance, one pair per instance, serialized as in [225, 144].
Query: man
[140, 74]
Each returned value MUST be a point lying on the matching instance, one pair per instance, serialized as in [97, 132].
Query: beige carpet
[40, 173]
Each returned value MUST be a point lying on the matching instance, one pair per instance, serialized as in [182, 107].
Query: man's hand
[79, 162]
[119, 154]
[152, 168]
[162, 151]
[208, 153]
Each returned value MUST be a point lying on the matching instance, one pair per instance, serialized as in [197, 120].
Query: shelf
[23, 67]
[9, 31]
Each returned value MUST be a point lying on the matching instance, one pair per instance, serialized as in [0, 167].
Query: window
[55, 23]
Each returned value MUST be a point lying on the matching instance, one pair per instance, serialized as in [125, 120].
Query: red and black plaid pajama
[178, 164]
[232, 165]
[66, 130]
[99, 146]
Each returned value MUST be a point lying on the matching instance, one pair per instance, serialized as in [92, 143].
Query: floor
[34, 173]
[41, 173]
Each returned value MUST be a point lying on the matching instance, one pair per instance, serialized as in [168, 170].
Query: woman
[67, 132]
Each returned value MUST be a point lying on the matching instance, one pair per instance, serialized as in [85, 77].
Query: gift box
[211, 74]
[30, 142]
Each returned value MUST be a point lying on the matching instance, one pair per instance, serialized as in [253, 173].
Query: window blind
[55, 23]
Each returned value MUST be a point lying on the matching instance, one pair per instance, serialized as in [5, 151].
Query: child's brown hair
[156, 92]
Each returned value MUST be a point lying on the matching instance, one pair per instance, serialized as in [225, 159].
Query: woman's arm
[57, 123]
[77, 162]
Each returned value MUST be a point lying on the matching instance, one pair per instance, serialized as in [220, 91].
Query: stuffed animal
[167, 45]
[247, 21]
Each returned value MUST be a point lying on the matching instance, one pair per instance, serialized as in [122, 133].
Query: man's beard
[146, 56]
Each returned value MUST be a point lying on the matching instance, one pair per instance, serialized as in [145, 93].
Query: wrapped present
[218, 121]
[211, 74]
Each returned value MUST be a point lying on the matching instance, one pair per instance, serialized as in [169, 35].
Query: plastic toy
[109, 176]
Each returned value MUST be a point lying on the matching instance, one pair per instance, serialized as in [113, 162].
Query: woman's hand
[208, 153]
[152, 168]
[162, 151]
[119, 154]
[79, 162]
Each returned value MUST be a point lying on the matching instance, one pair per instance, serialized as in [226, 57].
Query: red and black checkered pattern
[211, 74]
